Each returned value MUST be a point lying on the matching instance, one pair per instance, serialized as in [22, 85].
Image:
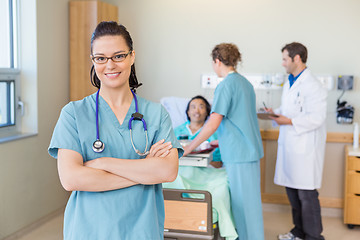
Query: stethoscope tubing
[97, 115]
[98, 145]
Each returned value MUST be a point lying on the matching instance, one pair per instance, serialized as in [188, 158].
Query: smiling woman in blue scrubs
[116, 193]
[233, 114]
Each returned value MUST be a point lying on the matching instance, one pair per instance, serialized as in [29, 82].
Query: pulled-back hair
[112, 28]
[207, 105]
[227, 53]
[294, 49]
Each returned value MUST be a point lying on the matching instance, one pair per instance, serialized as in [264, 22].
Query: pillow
[176, 108]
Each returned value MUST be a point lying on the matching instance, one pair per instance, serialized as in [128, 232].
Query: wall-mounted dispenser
[345, 82]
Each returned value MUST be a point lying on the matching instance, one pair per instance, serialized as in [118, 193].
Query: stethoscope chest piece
[98, 146]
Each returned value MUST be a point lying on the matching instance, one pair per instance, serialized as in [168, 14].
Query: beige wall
[29, 183]
[173, 41]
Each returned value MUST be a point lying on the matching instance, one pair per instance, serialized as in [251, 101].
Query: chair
[188, 215]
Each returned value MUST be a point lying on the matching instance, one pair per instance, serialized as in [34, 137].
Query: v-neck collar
[188, 128]
[292, 78]
[298, 81]
[104, 106]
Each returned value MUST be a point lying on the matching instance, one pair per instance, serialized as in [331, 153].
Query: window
[7, 104]
[10, 113]
[8, 29]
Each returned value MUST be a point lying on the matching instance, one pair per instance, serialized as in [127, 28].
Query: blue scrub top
[239, 134]
[184, 130]
[136, 212]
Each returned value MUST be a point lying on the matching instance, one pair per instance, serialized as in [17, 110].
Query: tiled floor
[277, 219]
[276, 222]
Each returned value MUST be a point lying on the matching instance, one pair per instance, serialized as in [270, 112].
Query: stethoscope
[98, 146]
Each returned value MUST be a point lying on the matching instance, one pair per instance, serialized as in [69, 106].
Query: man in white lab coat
[301, 143]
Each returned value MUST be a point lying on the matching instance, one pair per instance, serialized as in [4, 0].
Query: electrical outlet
[209, 81]
[327, 81]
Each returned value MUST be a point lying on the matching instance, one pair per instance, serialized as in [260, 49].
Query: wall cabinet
[352, 187]
[84, 16]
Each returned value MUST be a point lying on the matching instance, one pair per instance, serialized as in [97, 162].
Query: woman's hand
[160, 149]
[214, 143]
[186, 151]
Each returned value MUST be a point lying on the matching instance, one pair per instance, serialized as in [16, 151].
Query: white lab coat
[301, 146]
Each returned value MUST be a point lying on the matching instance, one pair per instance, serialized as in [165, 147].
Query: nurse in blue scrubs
[116, 193]
[233, 114]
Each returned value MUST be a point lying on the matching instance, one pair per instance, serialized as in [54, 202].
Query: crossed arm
[105, 174]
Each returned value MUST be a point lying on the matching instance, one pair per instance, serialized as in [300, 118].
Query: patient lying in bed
[197, 111]
[213, 178]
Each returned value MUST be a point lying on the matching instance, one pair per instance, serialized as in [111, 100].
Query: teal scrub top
[184, 130]
[136, 212]
[239, 134]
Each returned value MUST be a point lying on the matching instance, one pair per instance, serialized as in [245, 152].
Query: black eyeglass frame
[112, 57]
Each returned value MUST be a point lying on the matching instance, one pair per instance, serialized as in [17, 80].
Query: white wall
[173, 41]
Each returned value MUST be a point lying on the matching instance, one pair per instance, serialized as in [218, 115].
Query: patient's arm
[209, 129]
[217, 164]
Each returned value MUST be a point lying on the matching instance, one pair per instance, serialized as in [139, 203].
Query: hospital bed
[188, 215]
[201, 178]
[176, 107]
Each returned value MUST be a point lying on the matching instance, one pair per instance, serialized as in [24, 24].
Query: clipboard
[266, 115]
[196, 160]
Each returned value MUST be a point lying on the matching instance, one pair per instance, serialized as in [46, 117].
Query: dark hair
[227, 53]
[294, 49]
[207, 105]
[112, 28]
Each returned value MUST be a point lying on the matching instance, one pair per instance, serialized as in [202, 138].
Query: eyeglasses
[116, 58]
